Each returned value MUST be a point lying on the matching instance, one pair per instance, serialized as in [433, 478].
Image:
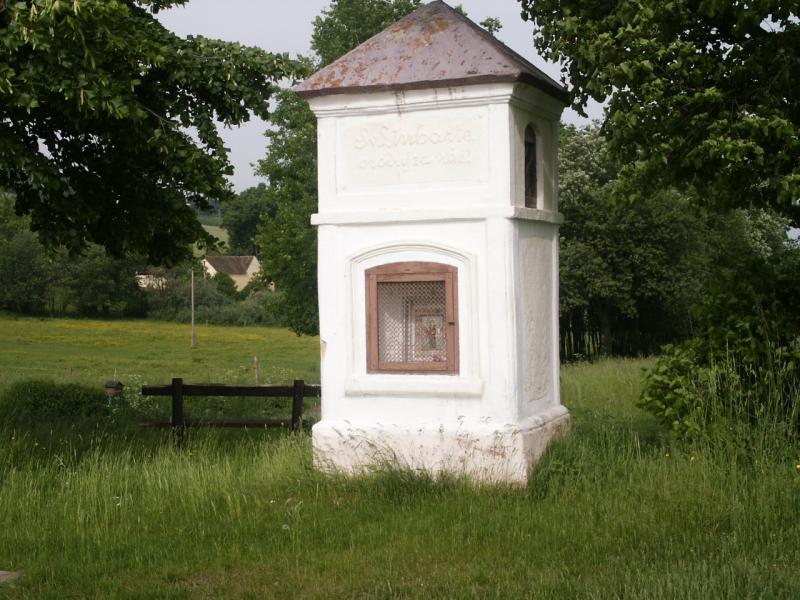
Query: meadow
[616, 509]
[149, 352]
[218, 232]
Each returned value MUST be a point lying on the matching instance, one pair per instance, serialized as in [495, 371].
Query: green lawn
[614, 510]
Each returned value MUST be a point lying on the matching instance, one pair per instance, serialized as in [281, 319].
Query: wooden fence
[179, 390]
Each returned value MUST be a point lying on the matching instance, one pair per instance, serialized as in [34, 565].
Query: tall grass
[617, 509]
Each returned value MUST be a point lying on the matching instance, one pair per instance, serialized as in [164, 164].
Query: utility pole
[194, 336]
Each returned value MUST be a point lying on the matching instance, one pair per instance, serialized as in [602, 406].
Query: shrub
[696, 391]
[36, 401]
[744, 366]
[225, 285]
[670, 392]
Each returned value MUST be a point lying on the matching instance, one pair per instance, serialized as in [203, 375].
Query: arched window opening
[531, 167]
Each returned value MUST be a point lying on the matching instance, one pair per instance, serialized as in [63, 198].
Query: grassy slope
[613, 510]
[211, 225]
[217, 232]
[213, 220]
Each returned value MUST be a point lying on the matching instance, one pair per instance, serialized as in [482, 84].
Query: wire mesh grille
[411, 322]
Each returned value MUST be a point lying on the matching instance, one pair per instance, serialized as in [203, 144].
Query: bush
[670, 390]
[225, 285]
[743, 367]
[697, 391]
[36, 401]
[258, 307]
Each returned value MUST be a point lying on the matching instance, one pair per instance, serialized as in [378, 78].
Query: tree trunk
[606, 340]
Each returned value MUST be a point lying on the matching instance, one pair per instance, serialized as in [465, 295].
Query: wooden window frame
[413, 272]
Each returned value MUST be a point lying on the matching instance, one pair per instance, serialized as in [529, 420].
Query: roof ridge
[500, 44]
[233, 264]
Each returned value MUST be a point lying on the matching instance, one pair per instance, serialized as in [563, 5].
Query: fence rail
[178, 390]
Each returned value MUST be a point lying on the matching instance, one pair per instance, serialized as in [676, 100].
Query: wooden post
[178, 421]
[194, 337]
[297, 404]
[257, 369]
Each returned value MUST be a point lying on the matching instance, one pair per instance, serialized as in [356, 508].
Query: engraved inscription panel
[410, 149]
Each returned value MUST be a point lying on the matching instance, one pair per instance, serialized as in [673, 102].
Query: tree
[628, 273]
[346, 24]
[288, 242]
[750, 282]
[492, 25]
[700, 94]
[743, 363]
[225, 285]
[242, 215]
[97, 284]
[24, 272]
[24, 266]
[37, 280]
[96, 102]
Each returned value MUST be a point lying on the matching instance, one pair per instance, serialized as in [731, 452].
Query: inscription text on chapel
[413, 149]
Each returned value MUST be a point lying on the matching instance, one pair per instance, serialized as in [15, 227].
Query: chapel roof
[434, 46]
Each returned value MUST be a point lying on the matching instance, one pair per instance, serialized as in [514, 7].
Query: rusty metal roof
[432, 47]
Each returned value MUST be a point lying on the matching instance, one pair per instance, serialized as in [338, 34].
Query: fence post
[297, 404]
[178, 422]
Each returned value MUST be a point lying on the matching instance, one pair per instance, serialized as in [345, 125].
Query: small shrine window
[531, 180]
[412, 318]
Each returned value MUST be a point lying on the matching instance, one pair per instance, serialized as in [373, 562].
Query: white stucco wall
[436, 175]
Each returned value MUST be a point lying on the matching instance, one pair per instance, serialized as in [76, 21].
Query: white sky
[281, 26]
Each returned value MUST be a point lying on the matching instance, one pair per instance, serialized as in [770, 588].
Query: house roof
[232, 265]
[434, 46]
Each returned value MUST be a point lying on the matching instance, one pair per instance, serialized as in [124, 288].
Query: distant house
[242, 269]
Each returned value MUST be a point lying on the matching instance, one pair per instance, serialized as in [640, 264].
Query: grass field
[151, 352]
[214, 220]
[614, 510]
[218, 232]
[212, 226]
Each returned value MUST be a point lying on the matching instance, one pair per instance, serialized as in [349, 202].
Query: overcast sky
[281, 26]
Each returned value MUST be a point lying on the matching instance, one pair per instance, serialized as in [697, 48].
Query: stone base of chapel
[491, 453]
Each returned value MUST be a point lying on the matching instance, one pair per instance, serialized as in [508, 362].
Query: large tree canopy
[701, 93]
[628, 273]
[97, 102]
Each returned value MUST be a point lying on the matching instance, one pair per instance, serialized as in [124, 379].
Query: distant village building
[242, 269]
